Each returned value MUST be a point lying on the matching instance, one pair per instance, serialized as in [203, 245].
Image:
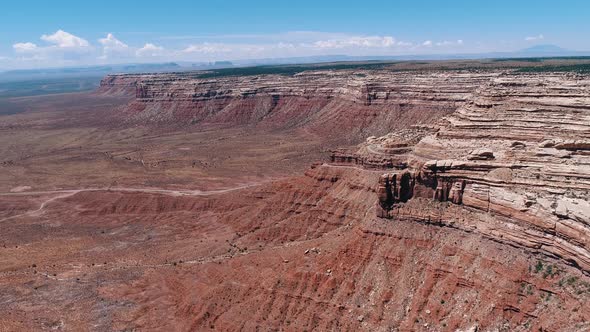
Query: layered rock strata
[511, 164]
[343, 104]
[368, 87]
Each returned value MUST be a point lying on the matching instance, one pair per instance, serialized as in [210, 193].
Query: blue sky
[61, 33]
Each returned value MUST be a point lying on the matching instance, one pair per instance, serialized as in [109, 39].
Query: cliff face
[328, 103]
[514, 164]
[366, 87]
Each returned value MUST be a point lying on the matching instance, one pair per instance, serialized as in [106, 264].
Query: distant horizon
[67, 34]
[305, 59]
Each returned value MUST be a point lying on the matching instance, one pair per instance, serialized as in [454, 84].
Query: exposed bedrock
[511, 164]
[351, 104]
[512, 161]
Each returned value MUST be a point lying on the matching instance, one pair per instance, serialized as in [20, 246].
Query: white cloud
[387, 41]
[150, 50]
[64, 48]
[112, 42]
[65, 39]
[533, 38]
[61, 48]
[286, 46]
[24, 47]
[450, 43]
[112, 47]
[207, 48]
[357, 42]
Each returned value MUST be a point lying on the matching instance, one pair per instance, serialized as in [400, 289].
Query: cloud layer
[60, 47]
[64, 48]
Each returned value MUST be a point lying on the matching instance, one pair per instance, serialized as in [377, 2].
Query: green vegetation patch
[520, 59]
[583, 68]
[291, 70]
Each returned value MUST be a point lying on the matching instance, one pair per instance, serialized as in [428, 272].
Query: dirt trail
[70, 192]
[360, 168]
[170, 192]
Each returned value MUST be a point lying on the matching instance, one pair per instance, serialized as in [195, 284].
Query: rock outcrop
[514, 162]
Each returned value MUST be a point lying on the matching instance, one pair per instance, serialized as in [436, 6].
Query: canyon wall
[343, 104]
[513, 163]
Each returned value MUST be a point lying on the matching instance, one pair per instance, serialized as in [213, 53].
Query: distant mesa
[545, 48]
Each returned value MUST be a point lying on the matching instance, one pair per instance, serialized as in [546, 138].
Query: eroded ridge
[513, 163]
[362, 85]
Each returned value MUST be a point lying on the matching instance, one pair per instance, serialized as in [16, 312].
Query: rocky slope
[304, 253]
